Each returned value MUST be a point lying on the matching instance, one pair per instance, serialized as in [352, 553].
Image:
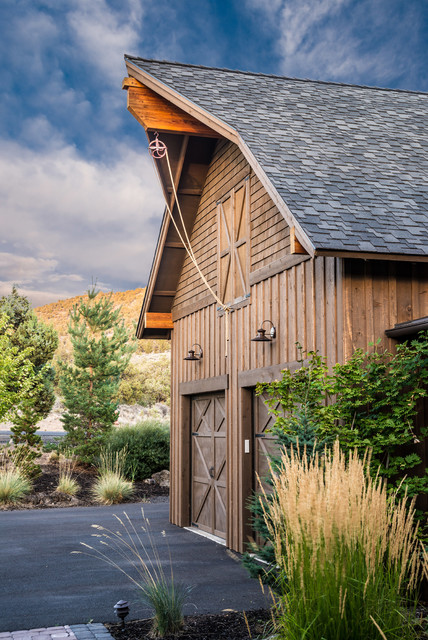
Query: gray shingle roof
[350, 162]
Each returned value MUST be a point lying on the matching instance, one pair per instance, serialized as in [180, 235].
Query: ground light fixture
[192, 355]
[121, 609]
[261, 333]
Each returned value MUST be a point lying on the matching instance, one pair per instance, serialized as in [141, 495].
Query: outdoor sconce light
[261, 333]
[192, 355]
[121, 609]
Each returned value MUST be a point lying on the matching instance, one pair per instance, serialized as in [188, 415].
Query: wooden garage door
[265, 443]
[209, 464]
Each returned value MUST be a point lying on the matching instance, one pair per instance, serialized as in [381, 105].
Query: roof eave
[228, 132]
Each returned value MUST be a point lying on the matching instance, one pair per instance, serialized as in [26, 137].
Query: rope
[186, 243]
[188, 247]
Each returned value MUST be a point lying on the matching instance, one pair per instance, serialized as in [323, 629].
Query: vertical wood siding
[303, 304]
[379, 294]
[269, 233]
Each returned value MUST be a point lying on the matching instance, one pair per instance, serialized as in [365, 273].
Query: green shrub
[146, 381]
[147, 446]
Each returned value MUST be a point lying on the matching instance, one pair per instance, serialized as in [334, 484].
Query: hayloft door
[209, 464]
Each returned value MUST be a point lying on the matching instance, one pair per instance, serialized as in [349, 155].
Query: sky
[79, 201]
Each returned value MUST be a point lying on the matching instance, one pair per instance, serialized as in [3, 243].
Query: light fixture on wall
[192, 355]
[261, 333]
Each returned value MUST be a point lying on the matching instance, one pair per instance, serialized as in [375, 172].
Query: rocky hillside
[57, 314]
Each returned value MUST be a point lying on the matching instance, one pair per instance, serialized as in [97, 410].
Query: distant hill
[57, 313]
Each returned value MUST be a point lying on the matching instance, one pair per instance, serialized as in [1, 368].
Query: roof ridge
[273, 75]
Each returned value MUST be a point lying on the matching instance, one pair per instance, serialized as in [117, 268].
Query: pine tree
[16, 370]
[101, 352]
[39, 341]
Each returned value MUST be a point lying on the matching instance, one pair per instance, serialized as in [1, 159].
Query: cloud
[67, 220]
[103, 35]
[346, 41]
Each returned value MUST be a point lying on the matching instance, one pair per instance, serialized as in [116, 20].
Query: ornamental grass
[347, 554]
[67, 466]
[111, 486]
[14, 482]
[133, 547]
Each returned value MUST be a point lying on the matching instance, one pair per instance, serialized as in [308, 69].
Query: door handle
[211, 472]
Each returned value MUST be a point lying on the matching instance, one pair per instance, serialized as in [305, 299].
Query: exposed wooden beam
[158, 321]
[187, 192]
[156, 113]
[173, 245]
[178, 170]
[295, 246]
[164, 293]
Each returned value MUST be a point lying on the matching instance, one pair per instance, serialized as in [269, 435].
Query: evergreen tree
[40, 341]
[16, 370]
[101, 352]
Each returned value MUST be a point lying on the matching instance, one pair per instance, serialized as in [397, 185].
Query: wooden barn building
[306, 208]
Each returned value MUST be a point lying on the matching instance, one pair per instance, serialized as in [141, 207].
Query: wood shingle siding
[270, 234]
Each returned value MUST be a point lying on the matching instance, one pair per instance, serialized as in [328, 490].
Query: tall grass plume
[348, 555]
[67, 483]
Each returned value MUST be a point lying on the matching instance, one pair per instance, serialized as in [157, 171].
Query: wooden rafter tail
[156, 113]
[295, 246]
[158, 321]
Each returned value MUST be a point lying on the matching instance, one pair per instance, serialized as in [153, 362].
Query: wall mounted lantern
[192, 355]
[261, 333]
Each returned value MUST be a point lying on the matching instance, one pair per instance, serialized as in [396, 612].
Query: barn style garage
[296, 211]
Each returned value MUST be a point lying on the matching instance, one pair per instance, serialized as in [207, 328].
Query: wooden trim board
[265, 374]
[206, 385]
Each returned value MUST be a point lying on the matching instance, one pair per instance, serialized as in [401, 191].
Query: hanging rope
[158, 149]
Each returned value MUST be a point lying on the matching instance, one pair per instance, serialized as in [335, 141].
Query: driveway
[42, 584]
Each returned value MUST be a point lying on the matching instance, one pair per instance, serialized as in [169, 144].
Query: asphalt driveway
[42, 584]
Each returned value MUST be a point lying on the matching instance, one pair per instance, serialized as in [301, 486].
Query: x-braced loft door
[209, 463]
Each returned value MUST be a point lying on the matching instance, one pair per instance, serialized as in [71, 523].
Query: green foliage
[147, 447]
[132, 551]
[371, 400]
[146, 382]
[16, 371]
[167, 600]
[101, 352]
[39, 341]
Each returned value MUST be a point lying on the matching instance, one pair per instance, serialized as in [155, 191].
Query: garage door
[209, 464]
[265, 443]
